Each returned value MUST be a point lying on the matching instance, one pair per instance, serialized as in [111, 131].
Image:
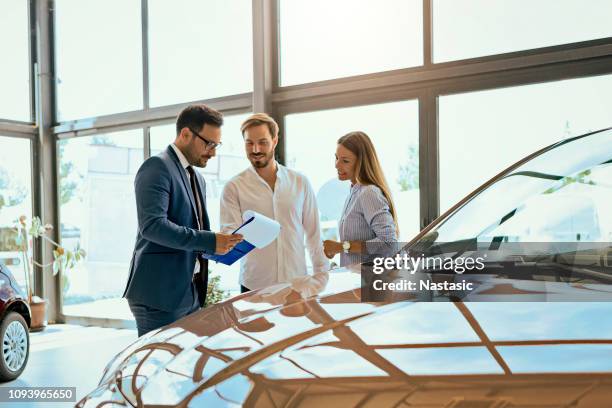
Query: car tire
[14, 346]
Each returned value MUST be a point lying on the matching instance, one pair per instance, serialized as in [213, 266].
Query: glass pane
[475, 28]
[15, 199]
[482, 133]
[394, 129]
[211, 55]
[98, 210]
[322, 40]
[575, 199]
[229, 161]
[99, 65]
[14, 69]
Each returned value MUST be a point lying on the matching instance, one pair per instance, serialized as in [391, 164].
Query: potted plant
[214, 293]
[63, 260]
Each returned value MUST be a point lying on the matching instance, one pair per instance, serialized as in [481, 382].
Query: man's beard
[194, 159]
[261, 161]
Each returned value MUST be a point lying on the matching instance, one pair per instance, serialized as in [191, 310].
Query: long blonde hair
[367, 167]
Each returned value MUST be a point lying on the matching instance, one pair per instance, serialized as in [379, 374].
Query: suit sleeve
[153, 188]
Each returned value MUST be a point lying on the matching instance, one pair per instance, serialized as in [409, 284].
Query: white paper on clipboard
[258, 229]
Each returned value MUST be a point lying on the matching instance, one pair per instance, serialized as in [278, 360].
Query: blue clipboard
[240, 250]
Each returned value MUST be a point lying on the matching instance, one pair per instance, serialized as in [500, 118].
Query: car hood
[269, 346]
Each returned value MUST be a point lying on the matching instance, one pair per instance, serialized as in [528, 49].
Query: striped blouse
[366, 217]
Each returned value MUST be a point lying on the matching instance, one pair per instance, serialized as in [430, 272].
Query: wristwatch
[346, 246]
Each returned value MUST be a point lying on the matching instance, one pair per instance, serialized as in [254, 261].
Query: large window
[322, 40]
[336, 67]
[230, 159]
[482, 133]
[14, 65]
[394, 129]
[98, 210]
[475, 28]
[199, 49]
[98, 57]
[15, 199]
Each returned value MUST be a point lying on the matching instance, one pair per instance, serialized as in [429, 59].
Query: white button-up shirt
[294, 206]
[185, 164]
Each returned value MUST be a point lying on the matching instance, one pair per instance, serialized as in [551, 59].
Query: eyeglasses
[210, 145]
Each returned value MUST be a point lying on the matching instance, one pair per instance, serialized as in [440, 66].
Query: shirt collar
[181, 156]
[281, 171]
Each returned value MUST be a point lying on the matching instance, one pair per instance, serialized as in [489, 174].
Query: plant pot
[39, 313]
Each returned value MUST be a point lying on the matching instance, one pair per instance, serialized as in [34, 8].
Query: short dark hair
[196, 116]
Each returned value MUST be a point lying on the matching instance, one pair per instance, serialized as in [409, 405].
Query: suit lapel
[186, 183]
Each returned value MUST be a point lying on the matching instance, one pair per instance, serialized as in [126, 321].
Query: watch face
[346, 245]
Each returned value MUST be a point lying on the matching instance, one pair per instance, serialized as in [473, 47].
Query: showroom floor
[70, 356]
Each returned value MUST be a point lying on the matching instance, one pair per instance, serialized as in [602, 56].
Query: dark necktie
[200, 281]
[196, 196]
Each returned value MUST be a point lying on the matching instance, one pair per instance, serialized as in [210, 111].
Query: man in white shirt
[279, 193]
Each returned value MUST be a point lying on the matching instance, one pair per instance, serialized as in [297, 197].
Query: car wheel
[15, 346]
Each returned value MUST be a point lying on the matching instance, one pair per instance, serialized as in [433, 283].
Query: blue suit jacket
[168, 239]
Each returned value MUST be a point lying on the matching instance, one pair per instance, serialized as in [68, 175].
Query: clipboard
[258, 231]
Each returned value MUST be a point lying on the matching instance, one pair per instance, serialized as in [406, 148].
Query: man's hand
[331, 248]
[226, 242]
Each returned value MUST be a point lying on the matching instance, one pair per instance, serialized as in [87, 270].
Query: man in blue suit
[168, 275]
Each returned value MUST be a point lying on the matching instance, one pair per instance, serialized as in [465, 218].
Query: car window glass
[568, 183]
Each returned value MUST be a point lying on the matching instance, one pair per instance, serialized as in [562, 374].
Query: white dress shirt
[185, 164]
[294, 206]
[182, 158]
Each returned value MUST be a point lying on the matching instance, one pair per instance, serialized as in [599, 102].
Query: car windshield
[562, 195]
[555, 204]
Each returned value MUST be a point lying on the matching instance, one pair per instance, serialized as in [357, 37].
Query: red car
[15, 321]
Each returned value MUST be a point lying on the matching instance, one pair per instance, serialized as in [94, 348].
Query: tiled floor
[69, 356]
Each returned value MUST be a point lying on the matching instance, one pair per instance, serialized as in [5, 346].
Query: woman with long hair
[369, 219]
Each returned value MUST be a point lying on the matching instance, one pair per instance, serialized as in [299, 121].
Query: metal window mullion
[554, 59]
[146, 134]
[341, 95]
[45, 157]
[527, 76]
[18, 129]
[144, 18]
[32, 54]
[263, 49]
[136, 119]
[427, 33]
[428, 158]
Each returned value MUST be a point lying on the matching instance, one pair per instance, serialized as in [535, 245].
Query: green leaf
[35, 227]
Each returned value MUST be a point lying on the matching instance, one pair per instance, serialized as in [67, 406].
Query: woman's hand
[331, 248]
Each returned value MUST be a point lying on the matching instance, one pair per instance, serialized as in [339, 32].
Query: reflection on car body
[313, 342]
